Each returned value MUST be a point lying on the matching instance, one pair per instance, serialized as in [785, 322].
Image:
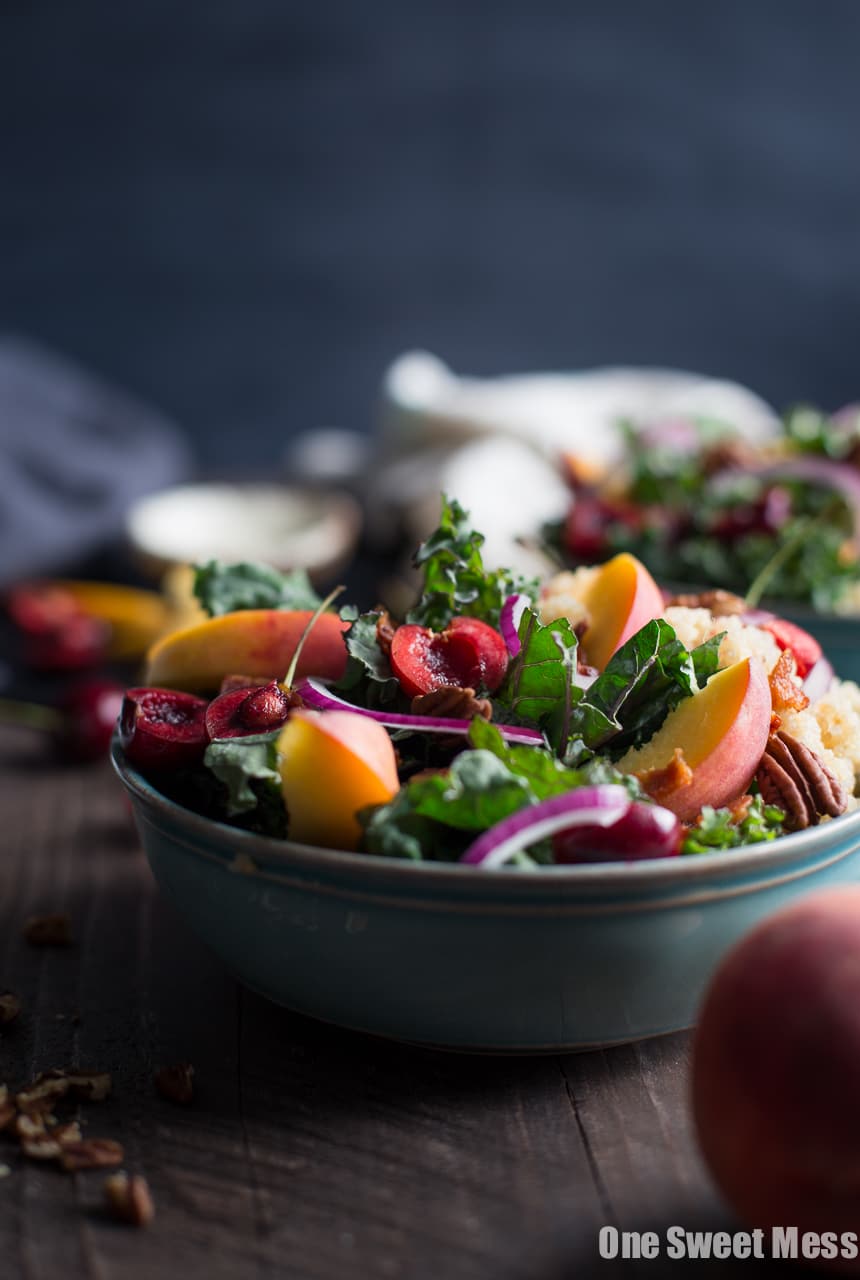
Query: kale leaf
[368, 680]
[455, 579]
[642, 682]
[718, 828]
[225, 588]
[540, 686]
[238, 763]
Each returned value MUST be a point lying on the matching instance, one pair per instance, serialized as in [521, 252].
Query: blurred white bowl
[282, 526]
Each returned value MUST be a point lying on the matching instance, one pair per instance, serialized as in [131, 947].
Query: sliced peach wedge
[255, 642]
[721, 731]
[620, 598]
[333, 763]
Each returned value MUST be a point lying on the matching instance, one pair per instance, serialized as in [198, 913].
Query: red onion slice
[838, 476]
[818, 680]
[600, 806]
[509, 621]
[320, 698]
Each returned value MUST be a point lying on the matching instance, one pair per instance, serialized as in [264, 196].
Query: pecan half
[128, 1199]
[459, 704]
[794, 778]
[176, 1083]
[93, 1086]
[10, 1007]
[91, 1153]
[785, 694]
[722, 604]
[54, 930]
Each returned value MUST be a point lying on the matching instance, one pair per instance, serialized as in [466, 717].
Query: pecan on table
[459, 704]
[128, 1199]
[794, 778]
[722, 604]
[10, 1007]
[176, 1083]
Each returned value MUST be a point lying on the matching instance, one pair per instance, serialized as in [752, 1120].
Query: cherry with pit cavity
[468, 654]
[243, 711]
[163, 728]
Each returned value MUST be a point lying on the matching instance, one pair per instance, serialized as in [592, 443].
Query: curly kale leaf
[226, 588]
[455, 579]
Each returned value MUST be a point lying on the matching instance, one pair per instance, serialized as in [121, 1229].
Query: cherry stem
[287, 681]
[31, 715]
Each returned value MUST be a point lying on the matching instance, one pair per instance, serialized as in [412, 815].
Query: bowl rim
[638, 875]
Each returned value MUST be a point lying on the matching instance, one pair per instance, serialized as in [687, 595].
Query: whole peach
[776, 1068]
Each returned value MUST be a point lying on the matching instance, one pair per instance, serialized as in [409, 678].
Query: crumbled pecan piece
[385, 630]
[792, 777]
[10, 1007]
[93, 1086]
[91, 1153]
[459, 704]
[176, 1083]
[739, 809]
[785, 693]
[54, 930]
[722, 604]
[128, 1199]
[662, 784]
[7, 1108]
[41, 1146]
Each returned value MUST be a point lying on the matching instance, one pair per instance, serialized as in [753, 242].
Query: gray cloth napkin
[74, 454]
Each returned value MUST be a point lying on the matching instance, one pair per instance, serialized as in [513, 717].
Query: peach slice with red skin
[257, 642]
[333, 763]
[621, 597]
[721, 731]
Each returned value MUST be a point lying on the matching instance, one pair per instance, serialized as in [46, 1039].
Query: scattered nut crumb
[5, 1171]
[128, 1199]
[91, 1153]
[49, 930]
[176, 1083]
[93, 1086]
[10, 1007]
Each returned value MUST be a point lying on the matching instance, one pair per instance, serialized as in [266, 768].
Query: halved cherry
[468, 653]
[163, 728]
[243, 711]
[788, 635]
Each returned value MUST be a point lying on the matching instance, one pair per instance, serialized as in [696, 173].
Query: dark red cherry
[244, 711]
[81, 641]
[163, 728]
[89, 710]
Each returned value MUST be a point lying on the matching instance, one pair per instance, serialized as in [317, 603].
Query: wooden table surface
[308, 1152]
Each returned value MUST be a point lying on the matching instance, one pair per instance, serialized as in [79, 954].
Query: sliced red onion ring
[838, 476]
[600, 806]
[316, 695]
[509, 621]
[757, 617]
[818, 680]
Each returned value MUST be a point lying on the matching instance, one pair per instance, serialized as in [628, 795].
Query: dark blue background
[243, 209]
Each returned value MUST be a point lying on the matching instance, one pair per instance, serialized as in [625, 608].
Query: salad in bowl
[500, 723]
[521, 818]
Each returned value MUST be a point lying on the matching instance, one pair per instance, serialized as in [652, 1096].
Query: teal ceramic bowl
[502, 961]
